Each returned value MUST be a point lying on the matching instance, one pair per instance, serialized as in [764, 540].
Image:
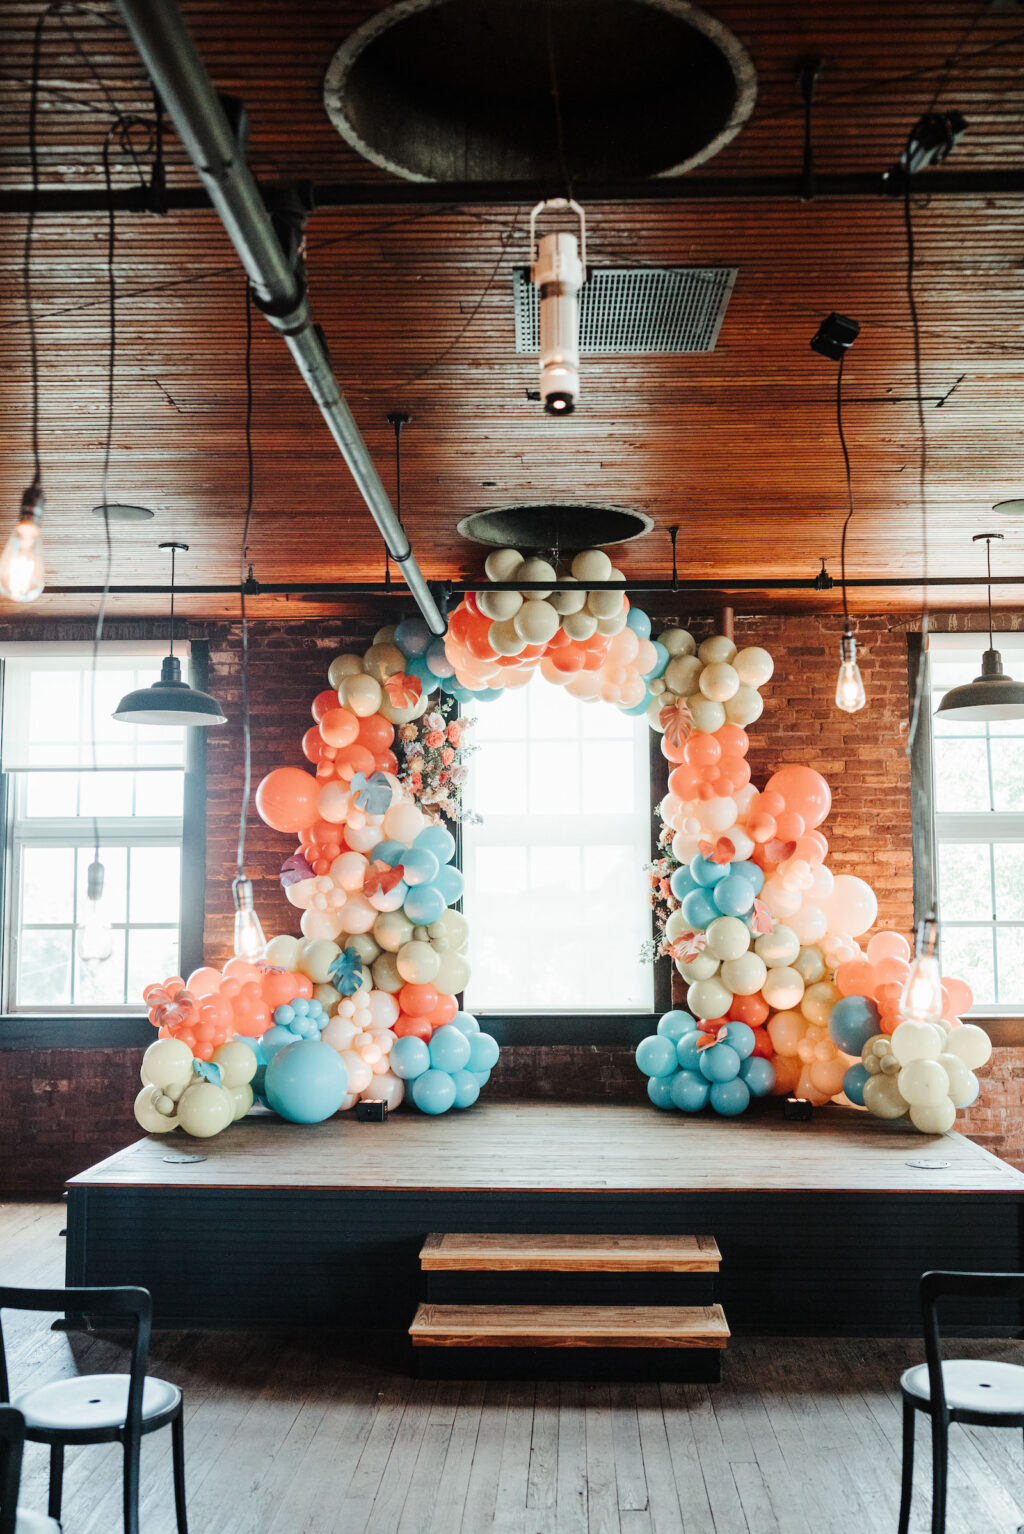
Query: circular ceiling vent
[462, 90]
[563, 525]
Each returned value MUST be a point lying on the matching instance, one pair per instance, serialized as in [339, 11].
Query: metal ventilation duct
[666, 309]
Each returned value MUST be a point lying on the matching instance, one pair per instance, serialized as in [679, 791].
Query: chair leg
[132, 1452]
[907, 1484]
[56, 1480]
[940, 1458]
[178, 1459]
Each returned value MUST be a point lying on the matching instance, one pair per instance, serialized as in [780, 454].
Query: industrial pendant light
[170, 701]
[992, 695]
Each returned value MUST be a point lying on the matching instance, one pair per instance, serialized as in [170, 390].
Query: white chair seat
[972, 1384]
[35, 1523]
[90, 1401]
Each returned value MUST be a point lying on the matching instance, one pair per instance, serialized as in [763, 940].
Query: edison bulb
[850, 694]
[22, 571]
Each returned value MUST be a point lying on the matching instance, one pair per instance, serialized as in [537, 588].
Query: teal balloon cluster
[686, 1072]
[450, 1070]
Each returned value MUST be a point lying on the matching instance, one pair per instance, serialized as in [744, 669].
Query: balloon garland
[780, 995]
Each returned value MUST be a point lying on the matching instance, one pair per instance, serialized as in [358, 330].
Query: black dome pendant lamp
[992, 695]
[170, 701]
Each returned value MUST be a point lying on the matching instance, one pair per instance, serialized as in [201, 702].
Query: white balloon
[809, 922]
[754, 666]
[320, 925]
[501, 564]
[917, 1041]
[385, 1087]
[779, 900]
[923, 1083]
[728, 937]
[716, 648]
[851, 907]
[718, 814]
[970, 1044]
[933, 1118]
[962, 1082]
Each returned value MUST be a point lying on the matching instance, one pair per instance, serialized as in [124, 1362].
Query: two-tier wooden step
[569, 1307]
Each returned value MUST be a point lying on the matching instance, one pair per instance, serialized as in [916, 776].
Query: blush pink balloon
[891, 972]
[805, 792]
[888, 945]
[855, 978]
[958, 996]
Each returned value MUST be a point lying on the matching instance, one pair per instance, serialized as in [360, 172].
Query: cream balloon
[883, 1098]
[536, 622]
[386, 635]
[818, 1000]
[505, 639]
[567, 602]
[678, 641]
[580, 625]
[317, 959]
[970, 1044]
[320, 925]
[924, 1083]
[728, 937]
[780, 901]
[452, 974]
[613, 624]
[241, 1100]
[386, 1087]
[204, 1110]
[719, 682]
[753, 666]
[382, 661]
[933, 1118]
[718, 814]
[361, 695]
[810, 964]
[591, 565]
[499, 605]
[349, 870]
[167, 1061]
[702, 967]
[300, 894]
[237, 1064]
[783, 988]
[744, 976]
[283, 951]
[604, 604]
[809, 922]
[364, 944]
[454, 928]
[360, 1074]
[148, 1115]
[403, 823]
[357, 914]
[716, 649]
[363, 838]
[962, 1082]
[851, 907]
[385, 974]
[333, 803]
[341, 667]
[682, 674]
[675, 926]
[745, 706]
[708, 999]
[417, 962]
[534, 570]
[501, 564]
[917, 1041]
[708, 716]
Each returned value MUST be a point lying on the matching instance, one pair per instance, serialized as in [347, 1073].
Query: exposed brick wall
[61, 1111]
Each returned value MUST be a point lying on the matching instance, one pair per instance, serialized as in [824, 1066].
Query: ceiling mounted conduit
[177, 72]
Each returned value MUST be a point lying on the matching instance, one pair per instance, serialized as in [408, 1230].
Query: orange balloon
[672, 751]
[375, 733]
[313, 745]
[805, 792]
[415, 1027]
[386, 761]
[202, 982]
[443, 1013]
[752, 1010]
[339, 727]
[856, 977]
[958, 996]
[353, 759]
[789, 826]
[418, 1000]
[892, 972]
[286, 800]
[277, 989]
[702, 750]
[242, 971]
[733, 740]
[323, 703]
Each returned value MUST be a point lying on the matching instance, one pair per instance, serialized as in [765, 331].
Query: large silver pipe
[169, 54]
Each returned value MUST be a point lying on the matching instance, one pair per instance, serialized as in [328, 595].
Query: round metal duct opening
[563, 525]
[461, 90]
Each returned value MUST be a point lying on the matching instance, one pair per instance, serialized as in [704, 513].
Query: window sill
[1001, 1029]
[599, 1029]
[68, 1030]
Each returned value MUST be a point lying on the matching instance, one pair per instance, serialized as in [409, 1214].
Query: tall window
[55, 803]
[556, 895]
[979, 830]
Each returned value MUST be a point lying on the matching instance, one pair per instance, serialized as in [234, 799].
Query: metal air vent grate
[637, 309]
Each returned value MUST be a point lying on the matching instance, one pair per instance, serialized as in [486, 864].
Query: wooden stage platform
[824, 1227]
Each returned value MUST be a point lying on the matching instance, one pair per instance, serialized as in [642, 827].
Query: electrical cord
[849, 486]
[246, 723]
[922, 460]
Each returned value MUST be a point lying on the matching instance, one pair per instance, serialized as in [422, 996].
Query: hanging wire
[849, 486]
[246, 723]
[556, 101]
[26, 260]
[922, 459]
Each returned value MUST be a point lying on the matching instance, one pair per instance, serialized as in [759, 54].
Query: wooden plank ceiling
[738, 447]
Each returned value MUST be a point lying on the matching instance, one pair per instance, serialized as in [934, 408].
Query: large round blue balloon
[675, 1023]
[730, 1097]
[306, 1082]
[276, 1038]
[690, 1091]
[438, 841]
[719, 1062]
[750, 871]
[656, 1056]
[705, 872]
[759, 1075]
[638, 621]
[412, 636]
[418, 668]
[466, 1022]
[682, 882]
[409, 1057]
[424, 904]
[420, 865]
[389, 852]
[852, 1021]
[467, 1089]
[740, 1037]
[483, 1052]
[698, 908]
[659, 1090]
[433, 1092]
[854, 1082]
[734, 896]
[451, 687]
[688, 1051]
[449, 1049]
[450, 883]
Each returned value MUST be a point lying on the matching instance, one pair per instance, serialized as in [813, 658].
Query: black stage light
[372, 1110]
[798, 1109]
[834, 335]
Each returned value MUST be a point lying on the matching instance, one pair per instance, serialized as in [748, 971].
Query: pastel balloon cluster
[881, 975]
[449, 1070]
[690, 1067]
[216, 1005]
[181, 1090]
[923, 1071]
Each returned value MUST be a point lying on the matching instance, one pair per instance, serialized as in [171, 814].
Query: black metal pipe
[395, 193]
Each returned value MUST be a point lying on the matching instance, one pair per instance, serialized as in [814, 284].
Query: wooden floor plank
[571, 1496]
[482, 1489]
[602, 1498]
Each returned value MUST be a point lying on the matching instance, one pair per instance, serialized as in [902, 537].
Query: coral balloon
[287, 799]
[804, 792]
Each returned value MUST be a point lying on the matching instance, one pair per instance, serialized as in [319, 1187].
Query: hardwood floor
[299, 1433]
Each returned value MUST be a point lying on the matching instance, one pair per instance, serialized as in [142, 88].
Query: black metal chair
[15, 1519]
[956, 1389]
[100, 1408]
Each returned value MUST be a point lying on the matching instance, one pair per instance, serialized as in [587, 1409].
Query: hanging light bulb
[850, 694]
[922, 999]
[95, 939]
[249, 939]
[22, 572]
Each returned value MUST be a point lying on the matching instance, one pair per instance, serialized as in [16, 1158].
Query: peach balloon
[956, 993]
[804, 791]
[204, 981]
[856, 978]
[888, 945]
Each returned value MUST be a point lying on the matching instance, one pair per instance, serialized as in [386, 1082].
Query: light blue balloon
[734, 896]
[699, 910]
[675, 1023]
[389, 852]
[656, 1056]
[420, 865]
[275, 1038]
[433, 1092]
[450, 883]
[453, 690]
[251, 1043]
[690, 1091]
[682, 883]
[852, 1021]
[638, 708]
[730, 1097]
[424, 904]
[740, 1037]
[705, 872]
[659, 1090]
[417, 667]
[759, 1075]
[409, 1057]
[438, 841]
[687, 1051]
[659, 664]
[307, 1082]
[483, 1052]
[465, 1022]
[638, 621]
[719, 1062]
[413, 637]
[854, 1083]
[482, 1076]
[750, 871]
[467, 1088]
[449, 1050]
[437, 661]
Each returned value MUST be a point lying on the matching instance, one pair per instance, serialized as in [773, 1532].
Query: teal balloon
[389, 852]
[433, 1092]
[675, 1023]
[412, 637]
[467, 1088]
[690, 1091]
[854, 1083]
[734, 895]
[740, 1037]
[275, 1039]
[638, 621]
[437, 840]
[656, 1056]
[424, 904]
[660, 664]
[483, 1052]
[465, 1022]
[482, 1076]
[719, 1062]
[758, 1074]
[409, 1057]
[659, 1090]
[450, 883]
[449, 1049]
[420, 865]
[730, 1097]
[686, 1052]
[417, 667]
[307, 1082]
[705, 872]
[699, 910]
[852, 1021]
[682, 883]
[752, 872]
[638, 708]
[451, 687]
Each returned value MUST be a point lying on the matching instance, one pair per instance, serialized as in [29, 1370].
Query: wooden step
[569, 1326]
[457, 1251]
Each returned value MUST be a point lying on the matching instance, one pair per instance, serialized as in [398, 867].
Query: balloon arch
[780, 997]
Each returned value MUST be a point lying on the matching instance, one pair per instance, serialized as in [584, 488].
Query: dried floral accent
[721, 851]
[403, 691]
[431, 753]
[688, 946]
[760, 919]
[676, 723]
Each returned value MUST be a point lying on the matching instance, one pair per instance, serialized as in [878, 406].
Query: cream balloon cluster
[924, 1070]
[521, 618]
[716, 682]
[179, 1091]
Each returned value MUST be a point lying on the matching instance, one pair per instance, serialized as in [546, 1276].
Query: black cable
[26, 260]
[849, 485]
[556, 100]
[122, 118]
[954, 56]
[246, 725]
[922, 461]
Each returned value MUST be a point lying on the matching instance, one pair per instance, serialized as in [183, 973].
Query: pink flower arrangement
[429, 752]
[433, 739]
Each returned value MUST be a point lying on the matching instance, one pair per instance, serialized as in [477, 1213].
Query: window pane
[1009, 866]
[155, 875]
[961, 775]
[967, 952]
[48, 885]
[549, 718]
[965, 881]
[554, 768]
[51, 793]
[152, 956]
[159, 793]
[115, 868]
[498, 778]
[1010, 954]
[1008, 774]
[102, 984]
[106, 793]
[44, 968]
[54, 705]
[608, 776]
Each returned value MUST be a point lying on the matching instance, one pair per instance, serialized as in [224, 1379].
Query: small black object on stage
[372, 1110]
[798, 1109]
